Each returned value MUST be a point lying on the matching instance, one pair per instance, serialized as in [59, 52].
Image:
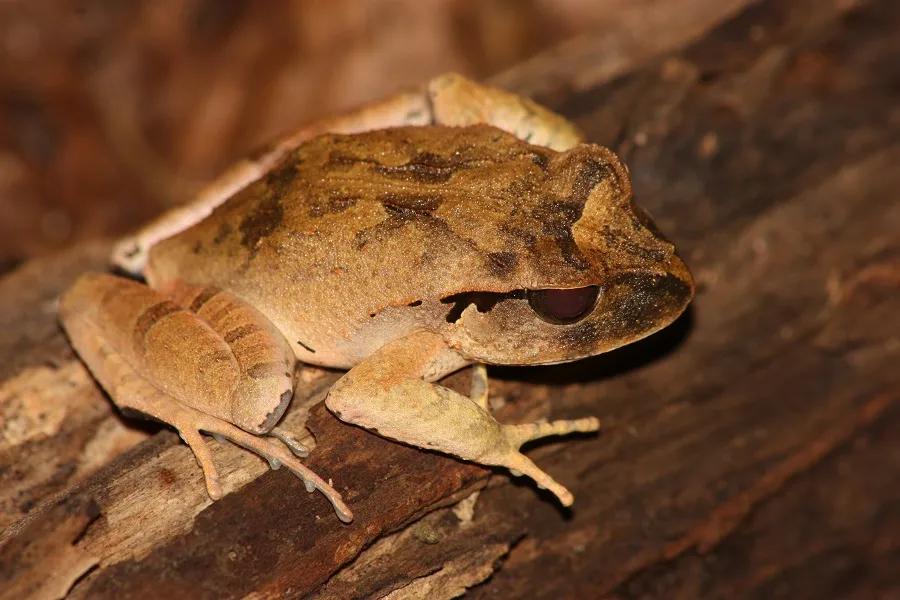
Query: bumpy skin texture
[402, 254]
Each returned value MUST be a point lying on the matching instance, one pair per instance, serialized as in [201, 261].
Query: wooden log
[749, 451]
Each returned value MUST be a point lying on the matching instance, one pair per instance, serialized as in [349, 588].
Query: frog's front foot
[289, 440]
[384, 394]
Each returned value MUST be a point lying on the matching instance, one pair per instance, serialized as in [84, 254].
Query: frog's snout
[676, 267]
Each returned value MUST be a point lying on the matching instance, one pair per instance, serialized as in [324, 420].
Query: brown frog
[459, 225]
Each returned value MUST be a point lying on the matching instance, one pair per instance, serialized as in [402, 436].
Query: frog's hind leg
[133, 392]
[163, 359]
[457, 101]
[290, 440]
[386, 394]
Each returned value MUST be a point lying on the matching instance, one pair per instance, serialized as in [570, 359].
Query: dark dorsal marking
[591, 173]
[264, 219]
[240, 332]
[500, 264]
[423, 168]
[557, 219]
[408, 203]
[265, 369]
[205, 295]
[280, 179]
[151, 316]
[335, 203]
[615, 239]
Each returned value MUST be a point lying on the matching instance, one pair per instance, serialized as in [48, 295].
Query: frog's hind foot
[276, 454]
[187, 361]
[290, 440]
[190, 422]
[135, 393]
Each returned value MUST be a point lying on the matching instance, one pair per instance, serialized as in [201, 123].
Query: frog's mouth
[482, 301]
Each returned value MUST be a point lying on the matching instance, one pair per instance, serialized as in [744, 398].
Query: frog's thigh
[160, 359]
[265, 361]
[264, 356]
[387, 394]
[458, 101]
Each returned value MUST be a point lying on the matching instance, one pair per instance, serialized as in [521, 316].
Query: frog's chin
[581, 341]
[538, 362]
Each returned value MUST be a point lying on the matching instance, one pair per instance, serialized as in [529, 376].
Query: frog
[451, 226]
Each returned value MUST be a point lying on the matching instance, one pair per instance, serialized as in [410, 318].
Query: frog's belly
[333, 338]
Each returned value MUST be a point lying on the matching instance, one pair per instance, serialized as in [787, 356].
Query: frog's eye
[563, 306]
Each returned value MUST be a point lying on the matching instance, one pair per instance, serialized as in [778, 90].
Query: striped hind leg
[199, 360]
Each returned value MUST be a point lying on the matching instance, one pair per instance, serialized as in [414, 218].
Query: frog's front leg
[199, 359]
[392, 394]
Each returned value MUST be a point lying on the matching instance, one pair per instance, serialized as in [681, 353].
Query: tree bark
[750, 450]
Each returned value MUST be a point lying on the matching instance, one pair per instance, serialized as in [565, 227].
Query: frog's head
[592, 273]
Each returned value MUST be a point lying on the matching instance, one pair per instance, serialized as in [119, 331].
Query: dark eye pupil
[563, 306]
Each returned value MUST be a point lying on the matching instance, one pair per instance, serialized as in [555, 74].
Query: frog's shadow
[603, 366]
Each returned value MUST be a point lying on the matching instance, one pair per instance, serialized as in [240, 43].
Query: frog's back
[350, 225]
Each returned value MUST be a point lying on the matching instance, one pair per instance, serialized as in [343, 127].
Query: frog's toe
[291, 441]
[520, 434]
[277, 455]
[518, 464]
[203, 455]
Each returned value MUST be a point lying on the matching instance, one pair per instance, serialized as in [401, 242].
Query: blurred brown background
[110, 111]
